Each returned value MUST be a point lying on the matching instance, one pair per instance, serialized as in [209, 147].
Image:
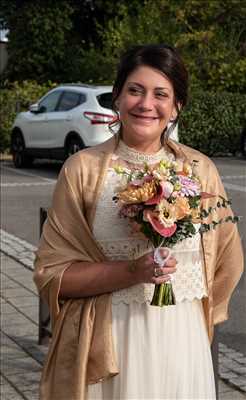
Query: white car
[67, 119]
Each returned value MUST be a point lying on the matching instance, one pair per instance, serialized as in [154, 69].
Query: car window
[48, 104]
[105, 100]
[70, 100]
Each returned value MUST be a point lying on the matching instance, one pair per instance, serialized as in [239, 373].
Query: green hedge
[16, 97]
[211, 123]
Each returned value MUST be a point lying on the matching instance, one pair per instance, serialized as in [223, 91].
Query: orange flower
[135, 194]
[182, 207]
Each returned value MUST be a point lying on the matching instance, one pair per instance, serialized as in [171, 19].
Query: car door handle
[68, 117]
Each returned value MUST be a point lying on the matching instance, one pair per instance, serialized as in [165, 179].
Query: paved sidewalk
[21, 356]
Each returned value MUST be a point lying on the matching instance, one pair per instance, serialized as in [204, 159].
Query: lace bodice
[114, 236]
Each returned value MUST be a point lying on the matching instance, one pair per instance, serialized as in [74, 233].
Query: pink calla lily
[154, 200]
[165, 190]
[158, 226]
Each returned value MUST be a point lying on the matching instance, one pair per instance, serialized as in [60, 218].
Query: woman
[98, 277]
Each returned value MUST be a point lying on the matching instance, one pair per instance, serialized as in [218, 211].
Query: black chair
[44, 325]
[215, 358]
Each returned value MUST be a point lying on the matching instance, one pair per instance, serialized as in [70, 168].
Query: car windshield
[105, 100]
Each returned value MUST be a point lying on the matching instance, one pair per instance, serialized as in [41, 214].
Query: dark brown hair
[161, 57]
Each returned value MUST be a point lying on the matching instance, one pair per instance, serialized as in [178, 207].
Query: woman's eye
[161, 95]
[134, 91]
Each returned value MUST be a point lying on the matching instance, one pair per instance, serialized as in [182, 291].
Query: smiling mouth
[144, 117]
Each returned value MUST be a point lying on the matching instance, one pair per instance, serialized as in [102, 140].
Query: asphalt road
[23, 192]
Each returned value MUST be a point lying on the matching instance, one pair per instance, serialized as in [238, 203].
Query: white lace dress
[162, 353]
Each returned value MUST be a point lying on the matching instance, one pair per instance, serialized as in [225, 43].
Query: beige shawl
[82, 350]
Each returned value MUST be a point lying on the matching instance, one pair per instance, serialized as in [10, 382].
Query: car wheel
[20, 159]
[73, 146]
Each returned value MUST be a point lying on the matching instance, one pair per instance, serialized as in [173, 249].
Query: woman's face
[146, 105]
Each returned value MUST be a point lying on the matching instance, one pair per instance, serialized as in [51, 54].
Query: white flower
[157, 175]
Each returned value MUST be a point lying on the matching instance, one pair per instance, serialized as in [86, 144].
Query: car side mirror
[36, 109]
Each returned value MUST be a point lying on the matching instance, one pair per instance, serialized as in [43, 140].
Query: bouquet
[165, 203]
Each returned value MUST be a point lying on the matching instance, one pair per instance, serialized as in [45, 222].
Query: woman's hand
[83, 279]
[149, 272]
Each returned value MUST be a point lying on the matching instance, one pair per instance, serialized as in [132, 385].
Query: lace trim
[188, 284]
[142, 293]
[188, 281]
[135, 157]
[124, 249]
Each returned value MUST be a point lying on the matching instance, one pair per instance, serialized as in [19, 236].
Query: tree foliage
[39, 33]
[211, 38]
[48, 39]
[213, 122]
[82, 39]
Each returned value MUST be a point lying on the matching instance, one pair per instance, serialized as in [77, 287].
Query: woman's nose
[146, 102]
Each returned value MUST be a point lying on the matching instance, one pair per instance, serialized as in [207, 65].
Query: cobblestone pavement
[22, 357]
